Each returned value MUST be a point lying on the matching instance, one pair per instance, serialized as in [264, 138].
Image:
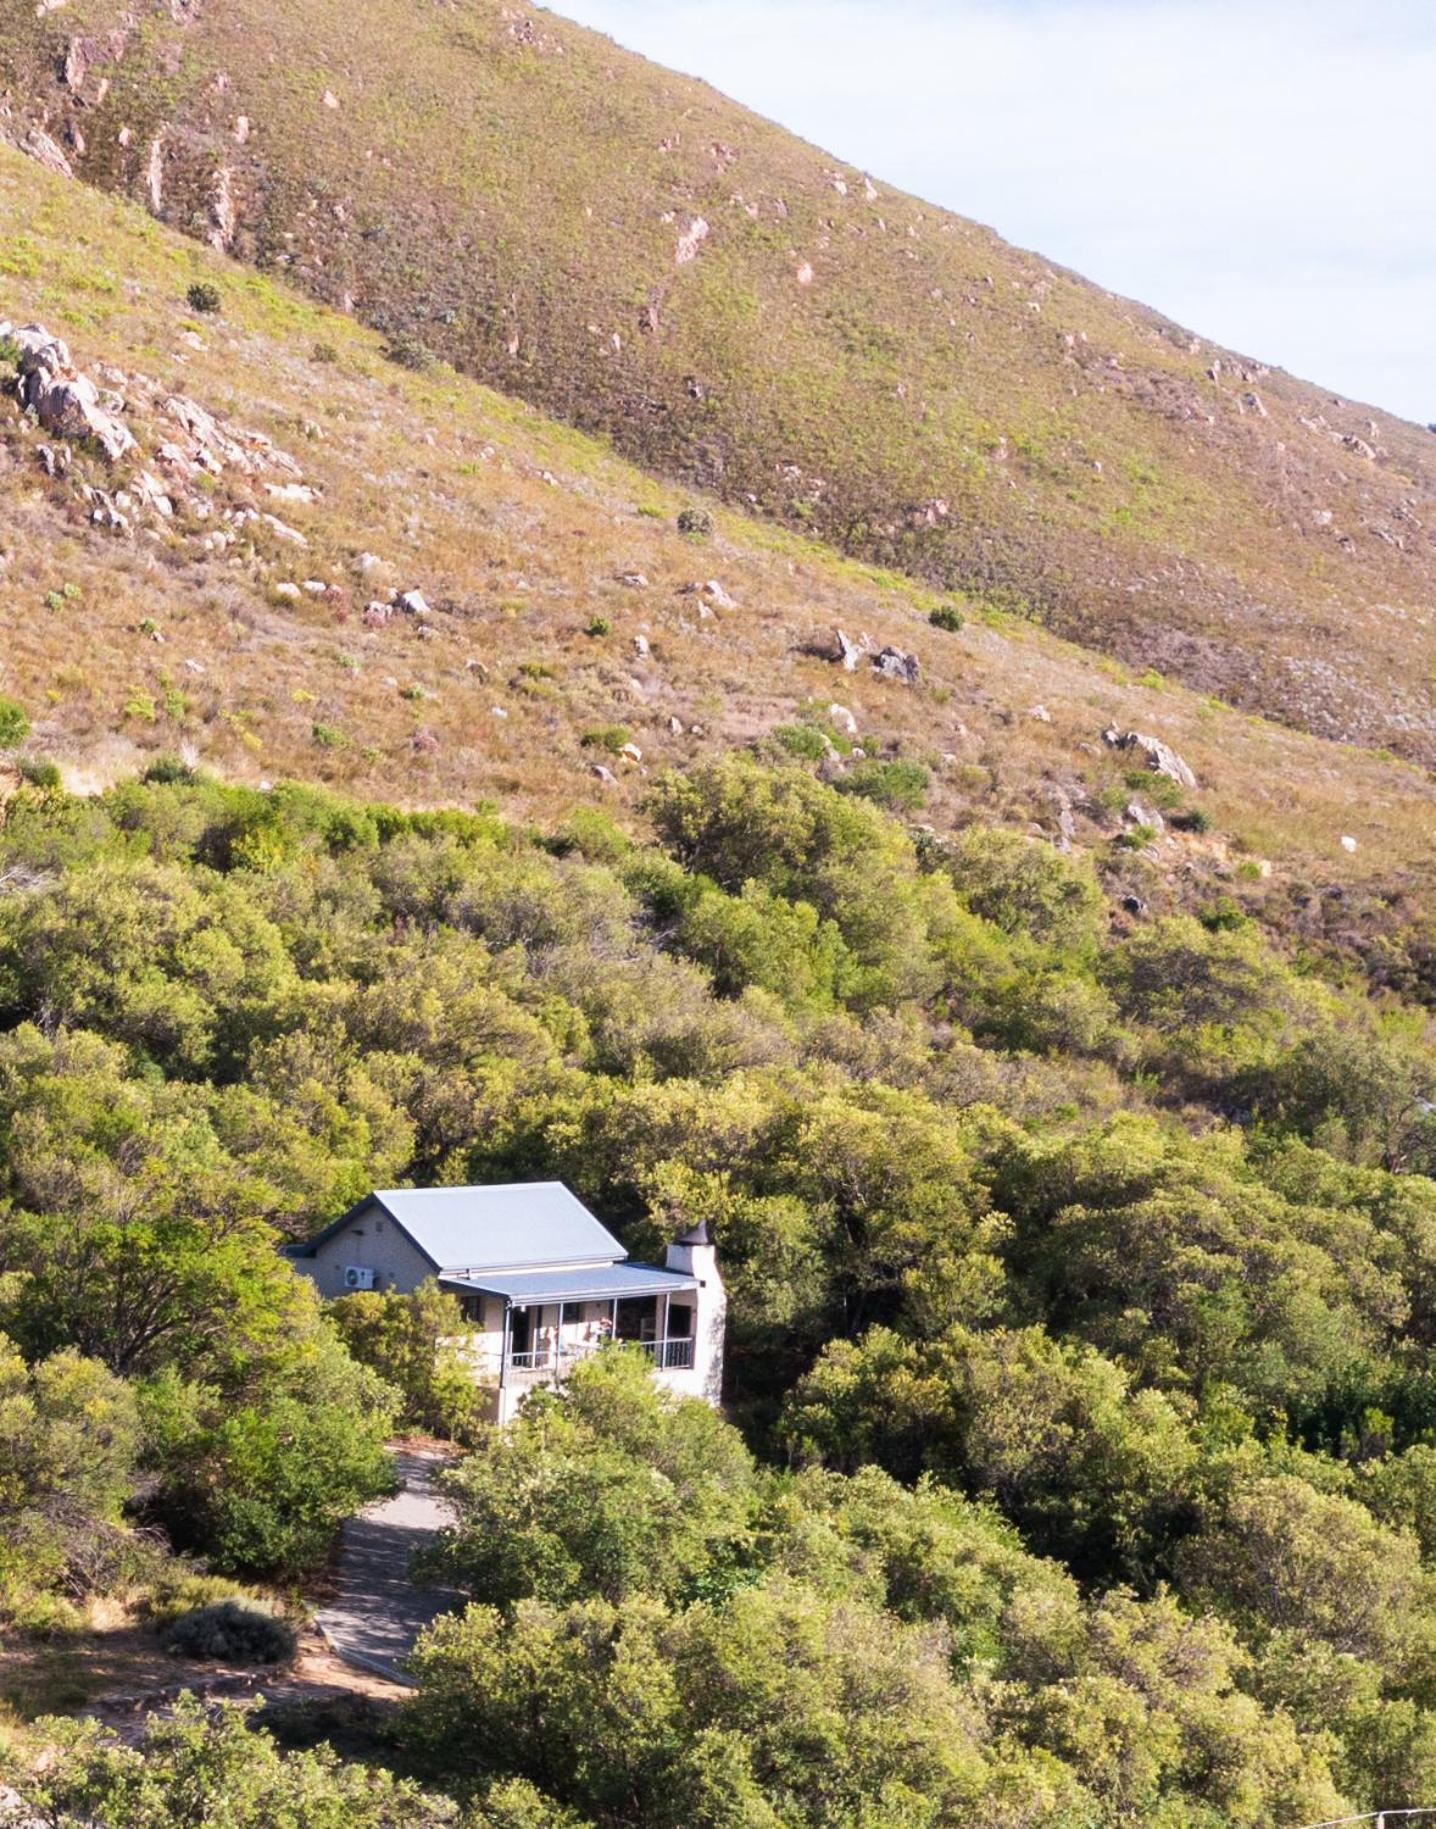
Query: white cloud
[1259, 169]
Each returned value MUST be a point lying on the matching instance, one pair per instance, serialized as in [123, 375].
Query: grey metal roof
[536, 1286]
[524, 1222]
[514, 1223]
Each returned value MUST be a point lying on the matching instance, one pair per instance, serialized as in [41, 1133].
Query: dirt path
[376, 1613]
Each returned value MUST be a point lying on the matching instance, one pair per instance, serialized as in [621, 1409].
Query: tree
[778, 1709]
[608, 1487]
[415, 1342]
[261, 1478]
[1277, 1555]
[1024, 886]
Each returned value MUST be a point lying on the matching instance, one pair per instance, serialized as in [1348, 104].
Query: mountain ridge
[627, 250]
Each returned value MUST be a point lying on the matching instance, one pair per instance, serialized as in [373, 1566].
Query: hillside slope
[309, 480]
[640, 257]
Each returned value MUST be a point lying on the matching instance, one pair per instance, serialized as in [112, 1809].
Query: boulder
[1155, 754]
[843, 719]
[894, 664]
[833, 645]
[412, 603]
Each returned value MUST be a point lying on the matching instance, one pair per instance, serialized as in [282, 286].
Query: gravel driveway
[376, 1612]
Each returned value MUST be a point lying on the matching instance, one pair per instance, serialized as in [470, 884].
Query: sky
[1263, 171]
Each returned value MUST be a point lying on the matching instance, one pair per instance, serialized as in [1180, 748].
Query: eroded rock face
[1156, 755]
[64, 401]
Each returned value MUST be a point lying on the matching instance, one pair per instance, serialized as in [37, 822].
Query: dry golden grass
[521, 529]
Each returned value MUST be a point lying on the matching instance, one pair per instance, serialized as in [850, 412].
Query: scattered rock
[1134, 905]
[1359, 446]
[1041, 713]
[712, 590]
[287, 590]
[844, 719]
[690, 241]
[894, 664]
[1252, 403]
[284, 530]
[636, 581]
[675, 727]
[601, 773]
[1138, 815]
[1348, 843]
[412, 603]
[1157, 756]
[631, 753]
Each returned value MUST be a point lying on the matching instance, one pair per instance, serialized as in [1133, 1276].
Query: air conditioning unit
[356, 1276]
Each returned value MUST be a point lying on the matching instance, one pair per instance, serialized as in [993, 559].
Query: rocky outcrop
[66, 403]
[1155, 754]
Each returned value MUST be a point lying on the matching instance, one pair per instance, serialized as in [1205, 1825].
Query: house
[540, 1280]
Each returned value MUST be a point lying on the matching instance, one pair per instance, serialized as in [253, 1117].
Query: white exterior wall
[710, 1324]
[371, 1240]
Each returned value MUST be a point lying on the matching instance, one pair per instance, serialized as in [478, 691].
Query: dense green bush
[899, 786]
[14, 725]
[1045, 1235]
[416, 1344]
[232, 1632]
[206, 1767]
[204, 298]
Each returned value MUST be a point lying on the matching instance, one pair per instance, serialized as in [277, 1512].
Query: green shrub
[1222, 916]
[802, 740]
[168, 771]
[324, 352]
[899, 786]
[600, 625]
[610, 737]
[406, 351]
[327, 737]
[39, 771]
[947, 616]
[233, 1632]
[14, 725]
[204, 298]
[179, 1590]
[1191, 819]
[696, 523]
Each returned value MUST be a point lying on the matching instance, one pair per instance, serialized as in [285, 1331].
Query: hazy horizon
[1259, 172]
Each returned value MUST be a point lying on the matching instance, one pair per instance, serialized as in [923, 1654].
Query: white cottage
[540, 1280]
